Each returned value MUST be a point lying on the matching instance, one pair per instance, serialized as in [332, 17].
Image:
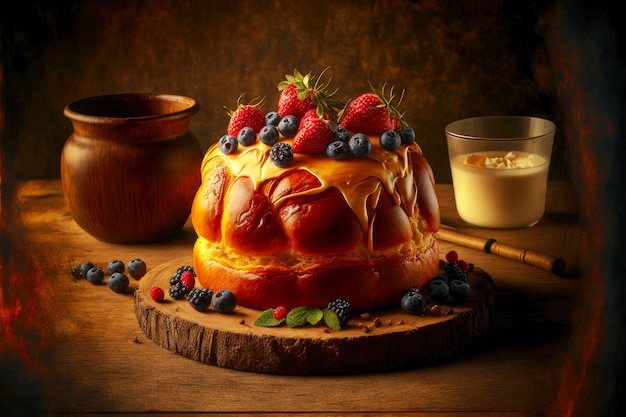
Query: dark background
[559, 59]
[454, 59]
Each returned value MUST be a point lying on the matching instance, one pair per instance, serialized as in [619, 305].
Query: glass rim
[549, 130]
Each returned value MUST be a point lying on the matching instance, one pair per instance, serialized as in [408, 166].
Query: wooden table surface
[97, 360]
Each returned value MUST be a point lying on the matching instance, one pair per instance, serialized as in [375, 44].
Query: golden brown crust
[367, 284]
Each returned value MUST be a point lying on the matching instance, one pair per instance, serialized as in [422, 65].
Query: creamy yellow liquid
[500, 197]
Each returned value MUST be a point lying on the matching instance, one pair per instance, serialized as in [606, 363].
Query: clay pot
[131, 168]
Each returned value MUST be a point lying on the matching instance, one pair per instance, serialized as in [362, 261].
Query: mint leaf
[331, 319]
[314, 316]
[298, 316]
[266, 319]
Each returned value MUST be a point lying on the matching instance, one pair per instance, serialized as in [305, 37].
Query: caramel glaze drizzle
[356, 178]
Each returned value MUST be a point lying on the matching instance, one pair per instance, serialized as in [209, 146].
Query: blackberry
[341, 307]
[179, 273]
[178, 291]
[454, 271]
[200, 298]
[281, 154]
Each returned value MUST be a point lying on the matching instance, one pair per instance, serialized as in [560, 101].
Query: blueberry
[390, 140]
[115, 266]
[360, 145]
[438, 289]
[269, 135]
[341, 133]
[246, 136]
[459, 289]
[337, 150]
[137, 268]
[408, 135]
[288, 126]
[413, 302]
[224, 301]
[84, 268]
[118, 282]
[95, 275]
[228, 144]
[281, 154]
[272, 118]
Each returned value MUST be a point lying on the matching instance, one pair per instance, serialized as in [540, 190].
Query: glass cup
[499, 168]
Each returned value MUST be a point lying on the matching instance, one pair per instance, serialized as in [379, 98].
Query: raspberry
[187, 279]
[464, 266]
[280, 312]
[452, 256]
[179, 272]
[157, 294]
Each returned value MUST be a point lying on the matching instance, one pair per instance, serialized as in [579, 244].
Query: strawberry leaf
[314, 316]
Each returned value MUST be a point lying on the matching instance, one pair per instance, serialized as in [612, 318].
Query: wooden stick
[527, 256]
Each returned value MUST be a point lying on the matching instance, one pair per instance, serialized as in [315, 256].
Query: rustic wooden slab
[233, 341]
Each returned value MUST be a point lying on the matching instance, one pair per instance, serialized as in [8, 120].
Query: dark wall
[454, 59]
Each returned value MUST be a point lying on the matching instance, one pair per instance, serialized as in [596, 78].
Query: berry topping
[200, 298]
[337, 150]
[269, 135]
[299, 94]
[390, 140]
[454, 271]
[246, 115]
[341, 307]
[224, 301]
[413, 302]
[360, 145]
[95, 275]
[246, 136]
[157, 293]
[372, 113]
[272, 118]
[137, 268]
[85, 267]
[341, 133]
[118, 282]
[115, 266]
[408, 135]
[280, 312]
[281, 154]
[313, 136]
[288, 126]
[228, 144]
[179, 273]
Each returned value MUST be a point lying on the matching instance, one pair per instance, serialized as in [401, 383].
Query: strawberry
[313, 136]
[298, 94]
[367, 114]
[371, 113]
[246, 115]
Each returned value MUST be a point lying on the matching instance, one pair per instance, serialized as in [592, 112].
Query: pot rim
[77, 110]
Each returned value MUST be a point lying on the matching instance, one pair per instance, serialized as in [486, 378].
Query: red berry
[452, 256]
[463, 265]
[367, 114]
[313, 135]
[280, 313]
[157, 293]
[248, 115]
[290, 104]
[188, 279]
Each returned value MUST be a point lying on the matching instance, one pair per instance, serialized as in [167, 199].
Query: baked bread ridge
[360, 229]
[368, 284]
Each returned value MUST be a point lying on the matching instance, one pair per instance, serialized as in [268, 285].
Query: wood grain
[233, 341]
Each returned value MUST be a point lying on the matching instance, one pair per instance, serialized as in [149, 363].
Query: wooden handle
[527, 256]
